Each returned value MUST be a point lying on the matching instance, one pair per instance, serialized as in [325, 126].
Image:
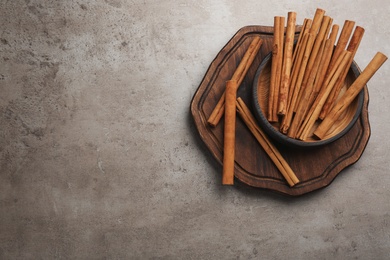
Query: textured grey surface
[99, 158]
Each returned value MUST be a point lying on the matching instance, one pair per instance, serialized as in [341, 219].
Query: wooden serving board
[315, 167]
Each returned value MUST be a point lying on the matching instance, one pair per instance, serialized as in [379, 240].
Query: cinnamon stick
[352, 47]
[279, 69]
[317, 19]
[317, 25]
[288, 116]
[299, 70]
[305, 28]
[324, 64]
[305, 100]
[319, 39]
[341, 42]
[350, 94]
[266, 144]
[229, 133]
[218, 111]
[296, 66]
[238, 76]
[277, 59]
[306, 95]
[312, 47]
[328, 48]
[318, 104]
[298, 55]
[287, 63]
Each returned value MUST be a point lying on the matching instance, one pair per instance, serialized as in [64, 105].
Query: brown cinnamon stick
[305, 100]
[319, 40]
[287, 63]
[320, 24]
[229, 133]
[266, 144]
[318, 104]
[327, 56]
[314, 28]
[341, 42]
[297, 66]
[352, 47]
[277, 59]
[328, 48]
[317, 19]
[288, 116]
[299, 76]
[306, 95]
[350, 94]
[238, 76]
[305, 28]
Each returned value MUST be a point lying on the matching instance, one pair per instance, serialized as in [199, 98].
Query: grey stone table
[99, 158]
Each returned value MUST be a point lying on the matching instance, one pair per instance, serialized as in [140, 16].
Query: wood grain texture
[315, 167]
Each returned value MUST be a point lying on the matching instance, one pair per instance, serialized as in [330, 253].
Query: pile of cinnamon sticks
[228, 105]
[307, 77]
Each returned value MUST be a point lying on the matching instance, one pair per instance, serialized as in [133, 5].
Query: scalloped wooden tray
[315, 167]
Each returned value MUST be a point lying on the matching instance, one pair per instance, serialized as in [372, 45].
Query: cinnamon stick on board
[287, 62]
[229, 133]
[267, 145]
[238, 76]
[350, 94]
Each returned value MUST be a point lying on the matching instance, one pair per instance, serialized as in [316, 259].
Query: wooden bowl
[260, 92]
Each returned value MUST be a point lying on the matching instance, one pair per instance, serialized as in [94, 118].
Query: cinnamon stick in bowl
[287, 63]
[350, 94]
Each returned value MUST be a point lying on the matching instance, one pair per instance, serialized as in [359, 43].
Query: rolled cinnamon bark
[277, 59]
[266, 144]
[314, 29]
[346, 32]
[290, 106]
[317, 20]
[352, 47]
[305, 28]
[238, 76]
[319, 40]
[287, 62]
[327, 56]
[350, 94]
[318, 104]
[307, 92]
[297, 67]
[229, 133]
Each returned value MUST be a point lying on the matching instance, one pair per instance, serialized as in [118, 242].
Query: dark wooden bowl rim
[284, 139]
